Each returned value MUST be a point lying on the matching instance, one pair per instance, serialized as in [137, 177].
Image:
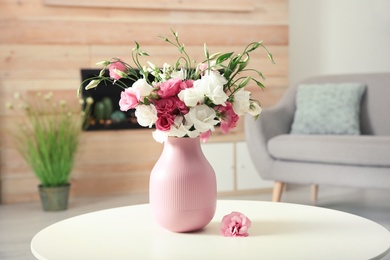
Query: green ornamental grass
[49, 138]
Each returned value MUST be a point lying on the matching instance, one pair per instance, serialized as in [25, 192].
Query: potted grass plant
[48, 141]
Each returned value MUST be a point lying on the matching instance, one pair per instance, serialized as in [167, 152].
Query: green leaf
[146, 101]
[224, 57]
[242, 65]
[215, 55]
[136, 46]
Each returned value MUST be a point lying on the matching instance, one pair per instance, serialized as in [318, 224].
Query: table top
[278, 231]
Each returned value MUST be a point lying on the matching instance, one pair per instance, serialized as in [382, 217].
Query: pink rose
[116, 65]
[228, 117]
[235, 224]
[169, 88]
[128, 100]
[164, 122]
[204, 137]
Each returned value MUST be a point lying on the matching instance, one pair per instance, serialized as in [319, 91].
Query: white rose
[146, 115]
[191, 96]
[143, 87]
[211, 85]
[202, 117]
[241, 102]
[254, 109]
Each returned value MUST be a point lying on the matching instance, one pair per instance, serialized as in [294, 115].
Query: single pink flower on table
[118, 65]
[235, 224]
[229, 118]
[129, 99]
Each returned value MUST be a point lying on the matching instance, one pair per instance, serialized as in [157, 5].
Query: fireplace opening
[105, 113]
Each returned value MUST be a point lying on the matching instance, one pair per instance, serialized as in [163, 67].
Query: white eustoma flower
[181, 74]
[152, 69]
[178, 129]
[254, 109]
[181, 127]
[191, 96]
[166, 72]
[211, 85]
[146, 115]
[202, 117]
[241, 102]
[143, 87]
[160, 136]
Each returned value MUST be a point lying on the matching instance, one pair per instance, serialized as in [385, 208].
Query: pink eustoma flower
[164, 122]
[229, 118]
[116, 65]
[204, 137]
[128, 100]
[169, 88]
[186, 84]
[235, 224]
[172, 106]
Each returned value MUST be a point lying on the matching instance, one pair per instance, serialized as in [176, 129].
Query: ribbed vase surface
[182, 188]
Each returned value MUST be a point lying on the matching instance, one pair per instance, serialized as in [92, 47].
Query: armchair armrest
[273, 121]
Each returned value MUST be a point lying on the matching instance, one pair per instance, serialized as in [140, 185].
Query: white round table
[279, 231]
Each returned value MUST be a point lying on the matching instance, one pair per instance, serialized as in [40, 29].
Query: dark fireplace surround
[105, 113]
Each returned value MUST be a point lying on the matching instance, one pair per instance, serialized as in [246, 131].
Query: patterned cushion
[328, 108]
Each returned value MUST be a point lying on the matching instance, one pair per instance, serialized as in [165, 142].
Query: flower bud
[103, 63]
[120, 73]
[151, 65]
[206, 51]
[93, 84]
[9, 106]
[245, 82]
[89, 100]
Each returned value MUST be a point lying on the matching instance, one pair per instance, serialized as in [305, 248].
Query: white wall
[338, 36]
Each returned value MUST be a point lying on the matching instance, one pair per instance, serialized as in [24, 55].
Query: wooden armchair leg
[278, 190]
[314, 193]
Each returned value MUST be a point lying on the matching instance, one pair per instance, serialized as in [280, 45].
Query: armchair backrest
[375, 109]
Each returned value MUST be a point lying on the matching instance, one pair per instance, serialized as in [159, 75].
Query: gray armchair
[343, 160]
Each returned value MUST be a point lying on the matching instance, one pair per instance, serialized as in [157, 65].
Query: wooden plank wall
[44, 44]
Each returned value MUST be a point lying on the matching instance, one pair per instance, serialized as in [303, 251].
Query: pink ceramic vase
[182, 188]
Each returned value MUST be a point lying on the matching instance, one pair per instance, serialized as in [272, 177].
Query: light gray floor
[20, 222]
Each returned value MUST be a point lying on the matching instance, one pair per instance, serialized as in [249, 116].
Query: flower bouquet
[185, 99]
